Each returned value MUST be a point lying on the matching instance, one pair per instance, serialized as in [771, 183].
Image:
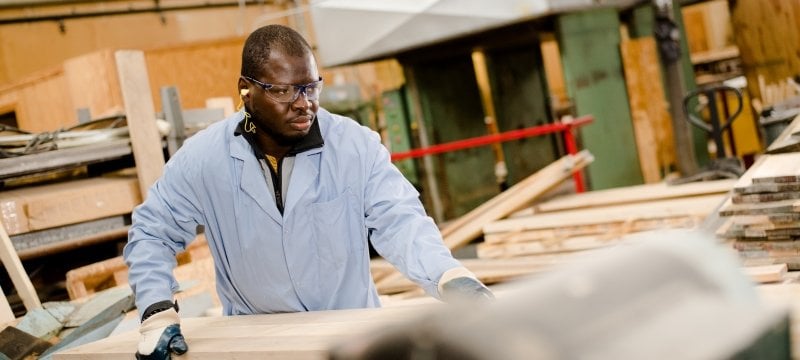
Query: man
[289, 196]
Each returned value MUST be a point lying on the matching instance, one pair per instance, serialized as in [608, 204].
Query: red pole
[572, 149]
[495, 138]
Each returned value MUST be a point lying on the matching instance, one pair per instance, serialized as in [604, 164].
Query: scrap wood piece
[766, 273]
[303, 335]
[766, 197]
[633, 194]
[20, 279]
[615, 227]
[766, 208]
[697, 206]
[468, 227]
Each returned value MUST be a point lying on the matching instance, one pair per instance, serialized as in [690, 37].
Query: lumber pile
[763, 213]
[469, 227]
[598, 219]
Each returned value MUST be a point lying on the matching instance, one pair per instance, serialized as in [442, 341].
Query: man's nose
[301, 102]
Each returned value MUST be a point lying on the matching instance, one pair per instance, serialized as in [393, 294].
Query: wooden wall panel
[200, 71]
[768, 37]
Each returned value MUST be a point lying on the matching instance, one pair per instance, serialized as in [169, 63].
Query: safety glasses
[288, 93]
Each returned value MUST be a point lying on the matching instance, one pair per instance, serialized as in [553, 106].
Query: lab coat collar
[311, 141]
[252, 179]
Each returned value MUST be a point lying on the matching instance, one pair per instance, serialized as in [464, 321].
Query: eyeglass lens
[290, 93]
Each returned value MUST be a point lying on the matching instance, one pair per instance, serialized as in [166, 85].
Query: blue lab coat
[315, 255]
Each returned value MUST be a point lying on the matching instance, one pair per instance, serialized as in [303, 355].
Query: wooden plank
[767, 188]
[778, 168]
[70, 202]
[16, 272]
[693, 206]
[766, 273]
[6, 315]
[651, 120]
[632, 194]
[773, 207]
[140, 113]
[767, 197]
[466, 228]
[304, 335]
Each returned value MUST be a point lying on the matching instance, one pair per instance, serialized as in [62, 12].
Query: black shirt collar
[312, 140]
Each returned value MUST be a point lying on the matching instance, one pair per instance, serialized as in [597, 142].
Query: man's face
[283, 122]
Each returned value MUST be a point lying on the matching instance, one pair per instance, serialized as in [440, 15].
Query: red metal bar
[572, 149]
[502, 137]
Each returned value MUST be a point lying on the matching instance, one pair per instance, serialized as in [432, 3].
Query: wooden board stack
[764, 212]
[600, 218]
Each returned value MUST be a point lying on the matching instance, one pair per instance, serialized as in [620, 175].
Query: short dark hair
[258, 45]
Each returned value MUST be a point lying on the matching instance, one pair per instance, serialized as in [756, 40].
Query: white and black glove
[460, 284]
[161, 333]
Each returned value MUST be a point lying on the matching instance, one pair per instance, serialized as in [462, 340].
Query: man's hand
[461, 284]
[161, 336]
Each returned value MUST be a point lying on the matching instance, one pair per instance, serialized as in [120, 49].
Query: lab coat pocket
[336, 228]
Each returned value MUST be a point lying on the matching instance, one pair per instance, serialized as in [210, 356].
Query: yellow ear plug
[242, 92]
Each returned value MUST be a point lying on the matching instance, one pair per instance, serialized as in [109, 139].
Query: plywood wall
[29, 47]
[199, 52]
[199, 71]
[768, 37]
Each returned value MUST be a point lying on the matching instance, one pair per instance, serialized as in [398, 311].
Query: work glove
[459, 284]
[161, 336]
